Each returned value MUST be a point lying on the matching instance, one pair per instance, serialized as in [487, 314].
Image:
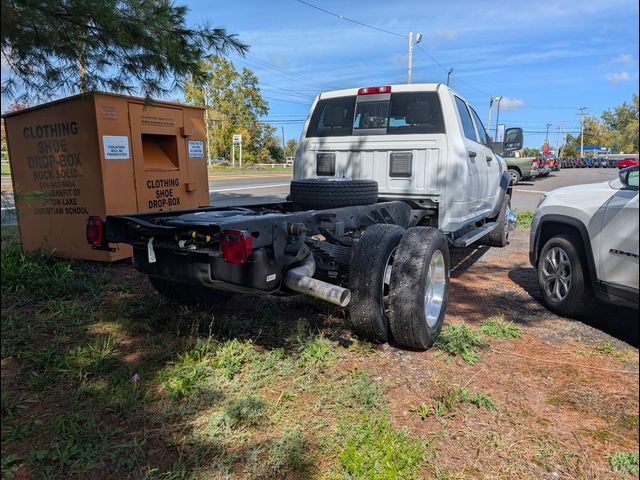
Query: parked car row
[598, 162]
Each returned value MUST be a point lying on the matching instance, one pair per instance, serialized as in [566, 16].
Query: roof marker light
[374, 90]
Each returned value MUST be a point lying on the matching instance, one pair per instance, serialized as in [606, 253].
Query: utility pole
[206, 122]
[547, 137]
[499, 99]
[283, 144]
[449, 75]
[558, 143]
[418, 40]
[582, 114]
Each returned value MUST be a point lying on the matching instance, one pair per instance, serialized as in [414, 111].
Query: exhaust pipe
[299, 280]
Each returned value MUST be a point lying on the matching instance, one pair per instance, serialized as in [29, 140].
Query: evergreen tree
[66, 46]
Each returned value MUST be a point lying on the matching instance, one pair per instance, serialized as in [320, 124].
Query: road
[260, 187]
[229, 189]
[527, 194]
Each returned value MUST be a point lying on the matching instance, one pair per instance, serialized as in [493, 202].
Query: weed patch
[525, 217]
[462, 341]
[373, 449]
[498, 327]
[448, 404]
[625, 462]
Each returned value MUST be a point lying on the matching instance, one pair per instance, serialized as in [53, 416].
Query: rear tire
[419, 288]
[369, 281]
[186, 294]
[500, 236]
[515, 176]
[564, 287]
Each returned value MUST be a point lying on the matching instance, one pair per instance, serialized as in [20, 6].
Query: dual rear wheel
[400, 284]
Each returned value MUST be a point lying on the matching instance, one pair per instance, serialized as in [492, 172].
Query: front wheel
[562, 277]
[499, 237]
[419, 288]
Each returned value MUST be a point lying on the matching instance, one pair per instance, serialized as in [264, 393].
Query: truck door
[474, 152]
[493, 171]
[618, 240]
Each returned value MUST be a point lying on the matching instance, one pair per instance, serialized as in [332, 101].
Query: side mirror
[513, 139]
[629, 177]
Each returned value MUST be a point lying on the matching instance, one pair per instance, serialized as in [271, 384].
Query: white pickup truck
[386, 179]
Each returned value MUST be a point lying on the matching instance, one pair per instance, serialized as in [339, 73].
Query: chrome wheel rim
[556, 274]
[434, 289]
[386, 283]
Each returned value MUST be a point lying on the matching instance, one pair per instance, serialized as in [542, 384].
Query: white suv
[584, 244]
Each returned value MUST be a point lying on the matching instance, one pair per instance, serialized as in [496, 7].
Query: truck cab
[422, 143]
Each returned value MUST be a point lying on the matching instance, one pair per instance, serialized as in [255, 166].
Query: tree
[68, 46]
[234, 104]
[623, 122]
[531, 152]
[290, 148]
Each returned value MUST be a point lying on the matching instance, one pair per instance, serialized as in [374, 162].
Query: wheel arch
[553, 225]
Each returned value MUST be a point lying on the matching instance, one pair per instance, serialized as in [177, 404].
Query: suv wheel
[562, 277]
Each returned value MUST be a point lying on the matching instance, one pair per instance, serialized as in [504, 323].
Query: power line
[342, 17]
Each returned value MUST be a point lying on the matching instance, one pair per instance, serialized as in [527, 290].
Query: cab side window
[465, 118]
[484, 137]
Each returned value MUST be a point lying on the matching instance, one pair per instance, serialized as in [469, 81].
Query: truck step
[474, 235]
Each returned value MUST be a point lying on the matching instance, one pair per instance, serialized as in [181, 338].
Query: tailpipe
[300, 279]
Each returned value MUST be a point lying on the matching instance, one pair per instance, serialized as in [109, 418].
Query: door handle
[472, 154]
[488, 159]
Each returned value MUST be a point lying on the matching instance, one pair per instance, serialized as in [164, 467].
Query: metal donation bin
[102, 154]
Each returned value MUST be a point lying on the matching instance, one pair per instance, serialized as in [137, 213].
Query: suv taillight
[236, 246]
[534, 164]
[95, 230]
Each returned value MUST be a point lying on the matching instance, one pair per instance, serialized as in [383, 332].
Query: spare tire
[320, 194]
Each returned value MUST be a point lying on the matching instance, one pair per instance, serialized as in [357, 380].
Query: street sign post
[237, 140]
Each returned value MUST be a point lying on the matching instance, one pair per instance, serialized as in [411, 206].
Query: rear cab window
[395, 114]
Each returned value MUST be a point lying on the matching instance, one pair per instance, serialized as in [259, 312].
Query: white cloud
[618, 77]
[511, 103]
[624, 58]
[444, 33]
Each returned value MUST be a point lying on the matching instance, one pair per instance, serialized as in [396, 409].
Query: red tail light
[534, 164]
[374, 90]
[236, 246]
[95, 230]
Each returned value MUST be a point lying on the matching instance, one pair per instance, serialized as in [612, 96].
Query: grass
[625, 462]
[248, 169]
[460, 340]
[448, 403]
[525, 217]
[373, 449]
[101, 376]
[498, 327]
[5, 169]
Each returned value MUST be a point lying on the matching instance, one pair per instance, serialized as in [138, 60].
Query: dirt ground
[555, 403]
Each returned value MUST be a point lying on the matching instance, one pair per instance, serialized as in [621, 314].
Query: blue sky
[545, 58]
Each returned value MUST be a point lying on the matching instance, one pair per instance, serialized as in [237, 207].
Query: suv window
[484, 138]
[465, 118]
[404, 113]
